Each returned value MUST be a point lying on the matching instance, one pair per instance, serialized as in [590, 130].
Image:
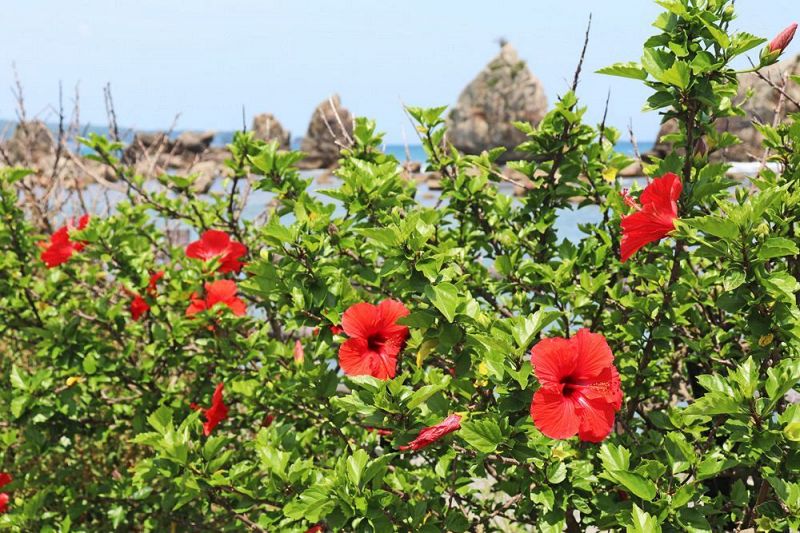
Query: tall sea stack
[505, 91]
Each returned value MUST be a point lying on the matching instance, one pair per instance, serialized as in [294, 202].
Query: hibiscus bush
[361, 358]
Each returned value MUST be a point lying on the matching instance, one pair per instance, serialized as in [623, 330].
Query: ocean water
[567, 224]
[417, 153]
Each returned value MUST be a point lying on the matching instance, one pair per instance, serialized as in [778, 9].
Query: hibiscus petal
[664, 192]
[221, 290]
[390, 311]
[138, 307]
[57, 254]
[353, 358]
[593, 355]
[216, 242]
[383, 364]
[196, 306]
[237, 306]
[642, 228]
[553, 359]
[361, 320]
[554, 414]
[596, 419]
[196, 250]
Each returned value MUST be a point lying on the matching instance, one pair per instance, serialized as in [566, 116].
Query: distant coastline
[223, 138]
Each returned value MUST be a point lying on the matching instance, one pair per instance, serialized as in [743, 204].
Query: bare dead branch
[576, 78]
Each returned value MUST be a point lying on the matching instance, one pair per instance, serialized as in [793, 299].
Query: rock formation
[331, 126]
[758, 108]
[267, 128]
[505, 91]
[194, 142]
[31, 141]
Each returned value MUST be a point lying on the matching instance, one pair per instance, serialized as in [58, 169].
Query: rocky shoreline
[503, 92]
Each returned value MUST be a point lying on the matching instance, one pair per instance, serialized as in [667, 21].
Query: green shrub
[107, 420]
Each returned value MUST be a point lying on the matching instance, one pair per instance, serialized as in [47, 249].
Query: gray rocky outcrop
[267, 128]
[505, 91]
[331, 127]
[31, 141]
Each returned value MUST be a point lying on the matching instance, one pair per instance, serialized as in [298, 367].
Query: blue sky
[205, 59]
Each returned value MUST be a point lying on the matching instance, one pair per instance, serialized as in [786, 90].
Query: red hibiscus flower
[782, 40]
[433, 433]
[60, 248]
[217, 292]
[375, 339]
[5, 479]
[139, 305]
[336, 330]
[299, 352]
[580, 389]
[317, 528]
[217, 244]
[154, 279]
[214, 414]
[655, 218]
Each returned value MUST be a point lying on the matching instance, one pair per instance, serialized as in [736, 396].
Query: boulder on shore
[760, 108]
[505, 91]
[31, 142]
[193, 142]
[267, 128]
[331, 127]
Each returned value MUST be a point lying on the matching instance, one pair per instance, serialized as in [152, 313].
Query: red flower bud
[299, 352]
[779, 43]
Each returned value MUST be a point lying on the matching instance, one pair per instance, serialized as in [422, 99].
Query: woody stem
[647, 352]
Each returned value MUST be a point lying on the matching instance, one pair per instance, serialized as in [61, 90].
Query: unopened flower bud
[779, 43]
[299, 353]
[727, 15]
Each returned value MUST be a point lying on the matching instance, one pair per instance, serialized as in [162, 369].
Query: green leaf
[777, 247]
[423, 393]
[782, 286]
[483, 435]
[675, 7]
[719, 35]
[715, 226]
[642, 522]
[625, 70]
[161, 419]
[445, 298]
[18, 405]
[744, 42]
[89, 364]
[792, 431]
[355, 466]
[614, 457]
[312, 504]
[636, 484]
[714, 403]
[17, 381]
[677, 75]
[680, 452]
[384, 236]
[556, 472]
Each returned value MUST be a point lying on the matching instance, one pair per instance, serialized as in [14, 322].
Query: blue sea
[417, 153]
